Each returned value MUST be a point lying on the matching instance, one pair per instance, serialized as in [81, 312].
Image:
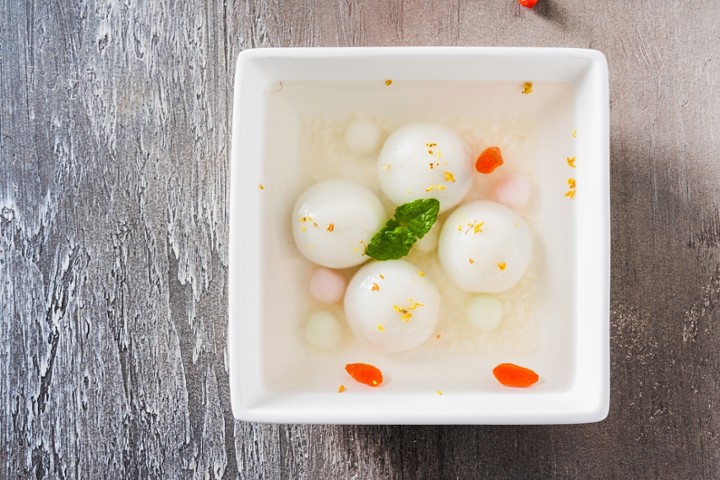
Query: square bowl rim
[254, 409]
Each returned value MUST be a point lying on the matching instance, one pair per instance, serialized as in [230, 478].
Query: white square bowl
[275, 378]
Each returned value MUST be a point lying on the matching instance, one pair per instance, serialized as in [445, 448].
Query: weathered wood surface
[114, 136]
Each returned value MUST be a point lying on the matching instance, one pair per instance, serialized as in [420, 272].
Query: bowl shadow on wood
[642, 199]
[551, 11]
[658, 240]
[470, 451]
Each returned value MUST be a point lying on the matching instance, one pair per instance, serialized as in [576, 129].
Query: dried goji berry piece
[512, 375]
[489, 160]
[365, 373]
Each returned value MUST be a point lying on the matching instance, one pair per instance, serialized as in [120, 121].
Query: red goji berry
[365, 373]
[512, 375]
[489, 160]
[527, 3]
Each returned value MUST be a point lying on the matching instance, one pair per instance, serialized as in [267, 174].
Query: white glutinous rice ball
[334, 220]
[362, 137]
[425, 160]
[484, 312]
[485, 247]
[327, 285]
[391, 305]
[323, 329]
[513, 190]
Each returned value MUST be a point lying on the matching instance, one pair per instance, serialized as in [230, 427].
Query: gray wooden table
[114, 137]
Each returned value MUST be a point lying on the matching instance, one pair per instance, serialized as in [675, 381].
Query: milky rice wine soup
[425, 232]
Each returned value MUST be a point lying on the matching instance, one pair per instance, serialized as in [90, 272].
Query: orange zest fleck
[571, 188]
[375, 287]
[261, 187]
[388, 82]
[331, 227]
[471, 260]
[434, 153]
[527, 88]
[365, 373]
[438, 336]
[490, 159]
[449, 177]
[512, 375]
[421, 273]
[406, 312]
[502, 265]
[570, 161]
[341, 388]
[381, 328]
[475, 226]
[382, 276]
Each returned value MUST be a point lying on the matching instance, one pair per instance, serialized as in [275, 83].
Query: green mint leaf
[418, 216]
[392, 242]
[412, 221]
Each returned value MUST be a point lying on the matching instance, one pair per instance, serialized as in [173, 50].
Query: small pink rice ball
[328, 286]
[513, 190]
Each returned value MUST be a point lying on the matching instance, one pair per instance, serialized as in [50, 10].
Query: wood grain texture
[114, 136]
